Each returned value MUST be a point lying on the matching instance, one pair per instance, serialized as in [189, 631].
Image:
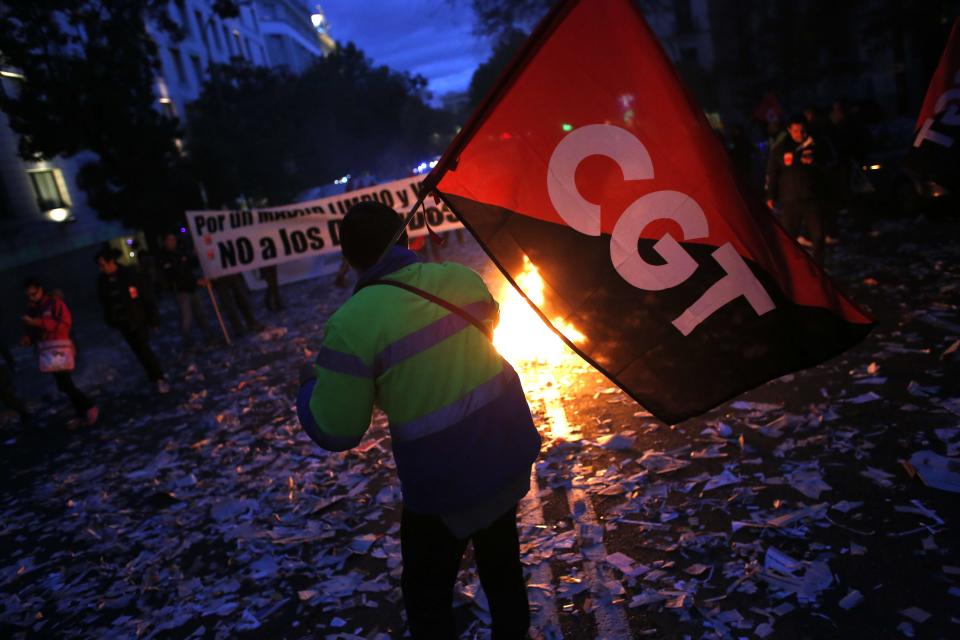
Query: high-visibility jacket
[459, 422]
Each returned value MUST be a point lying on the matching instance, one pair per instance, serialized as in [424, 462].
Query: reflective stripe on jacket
[459, 421]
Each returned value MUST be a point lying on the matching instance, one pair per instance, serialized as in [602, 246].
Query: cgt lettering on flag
[686, 292]
[634, 160]
[949, 115]
[940, 113]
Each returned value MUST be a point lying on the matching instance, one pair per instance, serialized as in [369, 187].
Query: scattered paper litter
[937, 471]
[808, 481]
[721, 480]
[879, 476]
[659, 462]
[805, 579]
[852, 599]
[863, 398]
[616, 442]
[916, 614]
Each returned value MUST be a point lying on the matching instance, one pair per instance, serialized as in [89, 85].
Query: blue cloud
[433, 38]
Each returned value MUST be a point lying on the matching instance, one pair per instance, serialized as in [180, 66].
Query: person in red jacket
[48, 318]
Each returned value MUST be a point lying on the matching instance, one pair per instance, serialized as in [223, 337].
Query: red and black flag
[935, 156]
[591, 160]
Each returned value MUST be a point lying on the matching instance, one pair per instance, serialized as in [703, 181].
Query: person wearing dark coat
[124, 308]
[272, 300]
[177, 268]
[796, 182]
[232, 292]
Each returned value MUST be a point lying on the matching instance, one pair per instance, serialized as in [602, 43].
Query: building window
[216, 35]
[10, 83]
[228, 44]
[197, 68]
[47, 188]
[182, 17]
[202, 28]
[169, 108]
[178, 65]
[239, 44]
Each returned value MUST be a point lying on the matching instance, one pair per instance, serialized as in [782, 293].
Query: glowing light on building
[59, 214]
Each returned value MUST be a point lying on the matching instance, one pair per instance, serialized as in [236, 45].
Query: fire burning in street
[521, 335]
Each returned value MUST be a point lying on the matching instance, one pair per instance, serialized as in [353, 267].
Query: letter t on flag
[590, 160]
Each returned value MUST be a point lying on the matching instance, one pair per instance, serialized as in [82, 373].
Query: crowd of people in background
[809, 164]
[802, 168]
[127, 296]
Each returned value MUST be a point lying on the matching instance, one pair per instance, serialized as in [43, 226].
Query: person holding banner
[125, 309]
[177, 268]
[272, 300]
[414, 339]
[232, 292]
[47, 321]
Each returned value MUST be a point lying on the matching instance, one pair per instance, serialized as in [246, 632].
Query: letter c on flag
[592, 140]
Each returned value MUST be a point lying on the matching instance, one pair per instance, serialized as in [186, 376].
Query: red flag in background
[591, 160]
[939, 95]
[935, 155]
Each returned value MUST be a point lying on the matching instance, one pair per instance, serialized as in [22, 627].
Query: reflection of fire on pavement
[530, 346]
[538, 353]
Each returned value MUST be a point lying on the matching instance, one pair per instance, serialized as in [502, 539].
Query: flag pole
[425, 189]
[216, 310]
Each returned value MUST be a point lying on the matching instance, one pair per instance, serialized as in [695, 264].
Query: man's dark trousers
[431, 560]
[139, 341]
[810, 214]
[65, 384]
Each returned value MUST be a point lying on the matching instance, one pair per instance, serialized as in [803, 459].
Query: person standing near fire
[177, 266]
[796, 182]
[414, 339]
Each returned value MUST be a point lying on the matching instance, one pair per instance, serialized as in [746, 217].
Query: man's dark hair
[366, 230]
[797, 119]
[31, 283]
[108, 253]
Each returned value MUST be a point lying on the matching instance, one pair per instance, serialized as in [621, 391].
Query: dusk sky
[431, 37]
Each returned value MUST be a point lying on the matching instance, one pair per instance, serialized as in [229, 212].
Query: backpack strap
[449, 306]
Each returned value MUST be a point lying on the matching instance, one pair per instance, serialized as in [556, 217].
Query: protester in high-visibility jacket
[463, 438]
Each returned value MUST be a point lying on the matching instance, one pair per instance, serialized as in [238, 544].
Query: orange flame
[521, 335]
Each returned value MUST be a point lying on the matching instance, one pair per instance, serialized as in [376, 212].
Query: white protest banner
[235, 241]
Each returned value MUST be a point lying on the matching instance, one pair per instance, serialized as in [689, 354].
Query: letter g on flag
[634, 161]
